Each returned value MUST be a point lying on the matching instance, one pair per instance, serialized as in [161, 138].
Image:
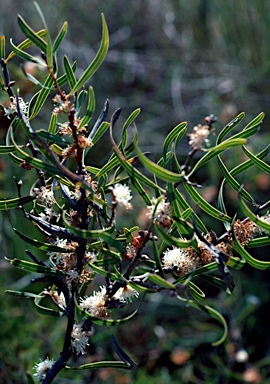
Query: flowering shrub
[77, 210]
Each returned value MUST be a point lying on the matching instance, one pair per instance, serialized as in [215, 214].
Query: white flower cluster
[12, 108]
[179, 259]
[95, 304]
[45, 197]
[42, 368]
[80, 339]
[122, 195]
[199, 136]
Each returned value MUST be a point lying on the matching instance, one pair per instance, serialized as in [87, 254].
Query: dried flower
[44, 196]
[84, 142]
[122, 195]
[163, 212]
[42, 368]
[80, 339]
[179, 259]
[60, 299]
[198, 137]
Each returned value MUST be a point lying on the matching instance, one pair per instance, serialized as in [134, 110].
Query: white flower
[122, 195]
[266, 219]
[12, 108]
[42, 368]
[180, 259]
[126, 294]
[80, 339]
[44, 196]
[163, 212]
[95, 304]
[199, 136]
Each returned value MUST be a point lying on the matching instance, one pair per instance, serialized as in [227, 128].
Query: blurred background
[178, 61]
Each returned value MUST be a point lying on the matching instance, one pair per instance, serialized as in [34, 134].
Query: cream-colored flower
[43, 367]
[79, 339]
[126, 293]
[95, 304]
[179, 259]
[199, 136]
[122, 195]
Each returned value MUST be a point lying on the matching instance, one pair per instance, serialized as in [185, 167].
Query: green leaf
[101, 130]
[44, 310]
[260, 163]
[212, 152]
[60, 37]
[2, 47]
[195, 291]
[32, 267]
[14, 203]
[127, 123]
[49, 50]
[160, 281]
[232, 182]
[198, 199]
[62, 80]
[32, 35]
[51, 137]
[69, 72]
[26, 44]
[40, 245]
[178, 131]
[261, 223]
[5, 149]
[84, 233]
[258, 264]
[26, 56]
[53, 123]
[215, 281]
[42, 96]
[157, 170]
[100, 56]
[27, 295]
[32, 78]
[101, 364]
[90, 108]
[213, 313]
[230, 126]
[33, 161]
[102, 272]
[259, 242]
[171, 240]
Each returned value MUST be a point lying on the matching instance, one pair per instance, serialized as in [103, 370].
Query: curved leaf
[177, 131]
[32, 267]
[230, 126]
[40, 245]
[60, 37]
[250, 259]
[157, 170]
[212, 152]
[260, 163]
[208, 208]
[171, 240]
[213, 313]
[32, 35]
[100, 56]
[26, 44]
[45, 310]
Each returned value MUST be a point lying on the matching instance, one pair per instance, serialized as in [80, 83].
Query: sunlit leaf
[32, 35]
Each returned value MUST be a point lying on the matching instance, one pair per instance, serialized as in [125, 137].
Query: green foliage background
[178, 61]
